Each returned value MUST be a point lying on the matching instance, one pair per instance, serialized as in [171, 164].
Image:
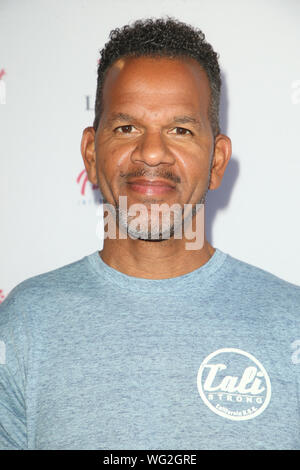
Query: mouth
[150, 187]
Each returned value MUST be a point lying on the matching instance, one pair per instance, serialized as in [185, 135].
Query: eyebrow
[187, 119]
[119, 117]
[124, 117]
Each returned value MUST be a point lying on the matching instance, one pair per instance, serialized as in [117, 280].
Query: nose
[152, 150]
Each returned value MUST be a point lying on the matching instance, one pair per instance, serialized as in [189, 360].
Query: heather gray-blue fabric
[94, 359]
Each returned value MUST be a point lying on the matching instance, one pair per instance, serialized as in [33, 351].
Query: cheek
[196, 164]
[112, 158]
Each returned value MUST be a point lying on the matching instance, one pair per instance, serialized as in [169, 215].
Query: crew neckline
[193, 279]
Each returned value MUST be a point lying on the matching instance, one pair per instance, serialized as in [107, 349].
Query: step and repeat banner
[49, 51]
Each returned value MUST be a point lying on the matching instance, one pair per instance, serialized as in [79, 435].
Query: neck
[155, 259]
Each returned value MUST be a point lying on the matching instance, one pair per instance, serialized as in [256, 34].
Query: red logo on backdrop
[2, 296]
[2, 87]
[82, 179]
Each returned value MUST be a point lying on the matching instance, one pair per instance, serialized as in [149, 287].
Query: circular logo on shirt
[234, 384]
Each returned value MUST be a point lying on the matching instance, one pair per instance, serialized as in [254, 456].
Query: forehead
[156, 84]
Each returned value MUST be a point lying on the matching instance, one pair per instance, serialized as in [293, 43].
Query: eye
[124, 129]
[181, 131]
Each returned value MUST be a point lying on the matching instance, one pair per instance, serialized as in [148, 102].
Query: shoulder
[261, 285]
[43, 289]
[250, 273]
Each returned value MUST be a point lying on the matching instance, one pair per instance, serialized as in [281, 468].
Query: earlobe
[221, 157]
[88, 153]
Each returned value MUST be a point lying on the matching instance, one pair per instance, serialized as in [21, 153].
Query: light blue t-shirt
[91, 358]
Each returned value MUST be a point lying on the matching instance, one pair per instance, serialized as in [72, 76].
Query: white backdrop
[48, 61]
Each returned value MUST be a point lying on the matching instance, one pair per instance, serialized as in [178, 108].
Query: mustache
[168, 175]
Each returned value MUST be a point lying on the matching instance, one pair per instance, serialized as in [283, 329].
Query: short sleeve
[13, 429]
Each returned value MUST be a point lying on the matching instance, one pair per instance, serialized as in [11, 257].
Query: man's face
[154, 142]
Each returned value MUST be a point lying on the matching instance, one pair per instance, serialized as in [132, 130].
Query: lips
[151, 187]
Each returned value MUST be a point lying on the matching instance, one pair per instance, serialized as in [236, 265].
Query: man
[153, 343]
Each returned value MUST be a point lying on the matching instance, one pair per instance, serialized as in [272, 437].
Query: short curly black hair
[162, 37]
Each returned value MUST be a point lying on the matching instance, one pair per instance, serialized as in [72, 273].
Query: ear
[89, 154]
[221, 157]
